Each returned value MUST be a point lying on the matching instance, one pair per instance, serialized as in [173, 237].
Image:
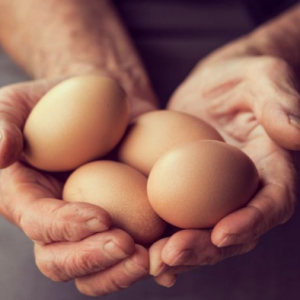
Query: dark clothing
[263, 10]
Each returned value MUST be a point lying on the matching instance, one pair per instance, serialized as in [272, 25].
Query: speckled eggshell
[197, 184]
[122, 192]
[154, 133]
[77, 121]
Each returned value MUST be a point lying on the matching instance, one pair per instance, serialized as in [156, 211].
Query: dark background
[171, 37]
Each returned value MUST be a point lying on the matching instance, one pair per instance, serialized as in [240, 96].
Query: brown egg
[154, 133]
[197, 184]
[77, 121]
[122, 192]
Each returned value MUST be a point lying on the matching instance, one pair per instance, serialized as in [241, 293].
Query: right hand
[71, 240]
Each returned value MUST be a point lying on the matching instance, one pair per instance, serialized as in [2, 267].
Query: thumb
[277, 108]
[282, 123]
[12, 118]
[16, 102]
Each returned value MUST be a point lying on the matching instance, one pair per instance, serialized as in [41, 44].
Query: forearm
[279, 38]
[60, 38]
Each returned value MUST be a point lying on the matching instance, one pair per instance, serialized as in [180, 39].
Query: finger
[11, 142]
[16, 102]
[157, 265]
[268, 208]
[167, 280]
[13, 111]
[276, 104]
[51, 220]
[65, 261]
[194, 248]
[273, 204]
[118, 277]
[43, 218]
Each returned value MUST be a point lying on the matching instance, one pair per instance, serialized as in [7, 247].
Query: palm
[19, 181]
[223, 93]
[247, 102]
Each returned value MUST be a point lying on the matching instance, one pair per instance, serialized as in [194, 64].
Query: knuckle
[60, 228]
[81, 211]
[115, 286]
[85, 262]
[50, 268]
[69, 221]
[70, 210]
[269, 66]
[76, 210]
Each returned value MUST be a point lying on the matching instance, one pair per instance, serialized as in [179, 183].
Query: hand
[253, 102]
[71, 240]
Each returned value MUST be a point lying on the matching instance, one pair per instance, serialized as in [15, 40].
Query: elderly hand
[71, 240]
[254, 103]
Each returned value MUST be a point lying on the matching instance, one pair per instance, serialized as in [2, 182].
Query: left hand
[253, 102]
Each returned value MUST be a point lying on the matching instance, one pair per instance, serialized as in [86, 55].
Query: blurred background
[172, 36]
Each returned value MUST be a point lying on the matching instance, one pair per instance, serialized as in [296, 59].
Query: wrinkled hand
[71, 240]
[253, 102]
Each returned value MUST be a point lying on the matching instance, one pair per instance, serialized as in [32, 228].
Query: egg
[152, 134]
[197, 184]
[77, 121]
[122, 192]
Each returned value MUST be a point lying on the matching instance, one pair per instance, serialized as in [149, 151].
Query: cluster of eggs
[166, 166]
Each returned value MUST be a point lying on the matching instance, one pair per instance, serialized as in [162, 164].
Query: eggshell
[77, 121]
[122, 192]
[154, 133]
[197, 184]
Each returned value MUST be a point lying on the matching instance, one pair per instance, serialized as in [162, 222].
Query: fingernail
[228, 241]
[294, 120]
[96, 225]
[156, 270]
[182, 258]
[167, 280]
[134, 269]
[114, 251]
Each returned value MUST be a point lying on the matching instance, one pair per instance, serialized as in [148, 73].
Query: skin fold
[247, 90]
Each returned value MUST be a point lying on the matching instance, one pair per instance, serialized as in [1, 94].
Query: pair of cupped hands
[251, 100]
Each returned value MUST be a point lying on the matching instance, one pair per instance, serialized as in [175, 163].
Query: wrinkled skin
[249, 99]
[71, 240]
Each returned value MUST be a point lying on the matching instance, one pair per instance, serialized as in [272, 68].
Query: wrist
[279, 38]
